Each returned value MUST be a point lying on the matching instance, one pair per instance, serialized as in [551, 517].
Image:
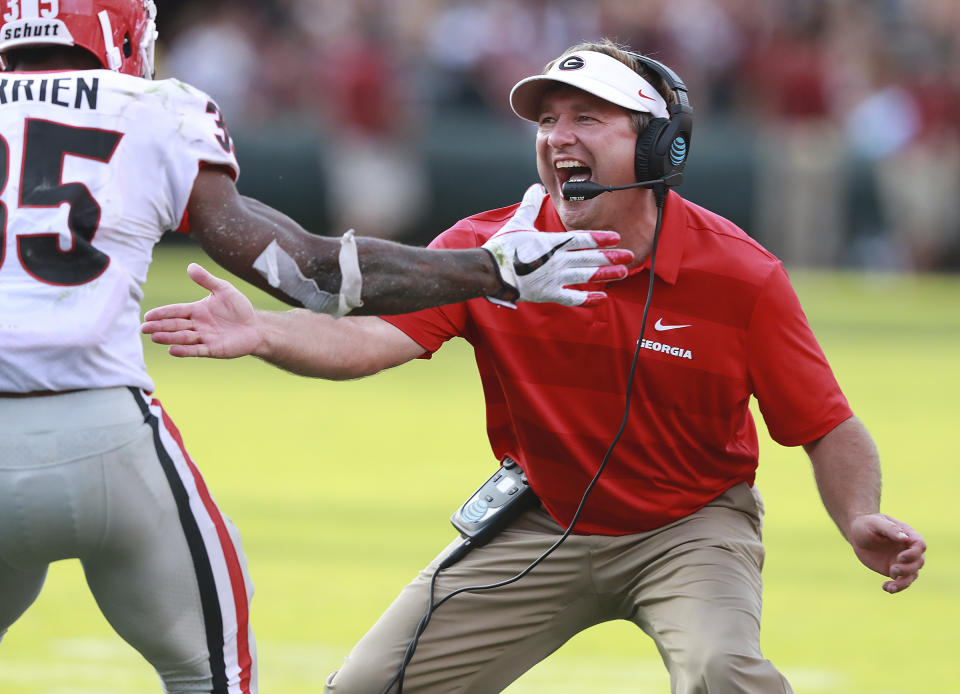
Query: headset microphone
[586, 190]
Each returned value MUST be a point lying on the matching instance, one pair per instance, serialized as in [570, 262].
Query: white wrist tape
[282, 272]
[351, 281]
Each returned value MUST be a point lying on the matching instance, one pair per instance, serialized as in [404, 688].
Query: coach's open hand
[223, 325]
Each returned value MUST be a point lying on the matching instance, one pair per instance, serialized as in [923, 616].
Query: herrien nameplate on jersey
[69, 92]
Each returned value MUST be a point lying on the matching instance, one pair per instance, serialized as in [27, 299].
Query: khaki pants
[693, 586]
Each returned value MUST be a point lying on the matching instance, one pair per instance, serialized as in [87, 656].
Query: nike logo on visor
[661, 326]
[522, 268]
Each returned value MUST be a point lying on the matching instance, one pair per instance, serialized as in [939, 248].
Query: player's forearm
[402, 279]
[396, 278]
[847, 469]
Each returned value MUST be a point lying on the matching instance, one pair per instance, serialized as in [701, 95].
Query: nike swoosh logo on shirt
[661, 326]
[522, 268]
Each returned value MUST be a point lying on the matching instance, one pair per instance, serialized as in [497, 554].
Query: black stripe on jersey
[210, 604]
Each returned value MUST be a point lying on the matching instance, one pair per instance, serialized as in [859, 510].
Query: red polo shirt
[724, 324]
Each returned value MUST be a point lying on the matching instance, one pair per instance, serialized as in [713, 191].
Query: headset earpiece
[647, 164]
[663, 146]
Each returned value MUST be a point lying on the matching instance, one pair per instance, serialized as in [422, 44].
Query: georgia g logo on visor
[574, 62]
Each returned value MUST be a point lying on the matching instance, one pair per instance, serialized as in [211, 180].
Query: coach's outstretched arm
[847, 469]
[366, 276]
[225, 325]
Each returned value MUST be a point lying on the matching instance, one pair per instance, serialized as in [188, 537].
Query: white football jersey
[94, 167]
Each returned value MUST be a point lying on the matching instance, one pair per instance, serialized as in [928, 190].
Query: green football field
[342, 491]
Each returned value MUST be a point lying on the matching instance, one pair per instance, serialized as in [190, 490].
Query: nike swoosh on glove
[540, 266]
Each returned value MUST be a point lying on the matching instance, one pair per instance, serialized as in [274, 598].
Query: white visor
[596, 73]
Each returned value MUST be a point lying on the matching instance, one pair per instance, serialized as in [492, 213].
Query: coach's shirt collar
[669, 246]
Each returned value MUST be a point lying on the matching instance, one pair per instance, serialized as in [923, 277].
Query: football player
[97, 161]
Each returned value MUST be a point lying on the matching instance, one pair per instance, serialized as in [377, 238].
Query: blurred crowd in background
[852, 106]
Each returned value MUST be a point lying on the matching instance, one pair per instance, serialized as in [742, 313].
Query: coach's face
[583, 137]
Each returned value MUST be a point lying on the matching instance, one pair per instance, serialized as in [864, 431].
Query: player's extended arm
[224, 325]
[235, 230]
[847, 469]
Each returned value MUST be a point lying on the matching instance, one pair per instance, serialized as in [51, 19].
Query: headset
[662, 147]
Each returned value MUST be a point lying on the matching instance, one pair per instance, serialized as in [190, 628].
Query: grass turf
[322, 480]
